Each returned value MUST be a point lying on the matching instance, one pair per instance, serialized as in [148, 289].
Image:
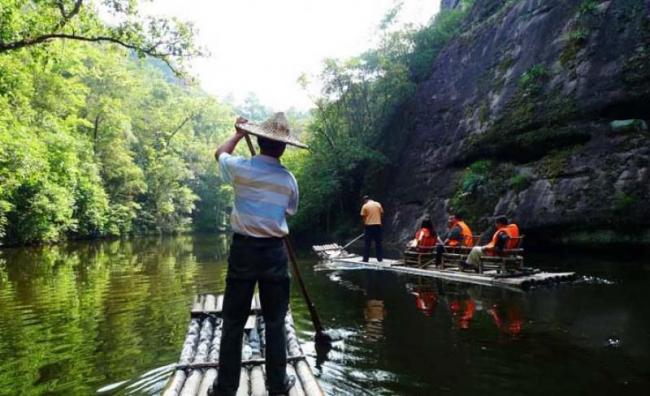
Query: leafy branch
[166, 39]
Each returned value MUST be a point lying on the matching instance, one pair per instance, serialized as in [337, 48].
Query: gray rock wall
[530, 92]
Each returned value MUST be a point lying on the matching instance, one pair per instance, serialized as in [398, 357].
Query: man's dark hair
[501, 220]
[365, 198]
[458, 215]
[271, 147]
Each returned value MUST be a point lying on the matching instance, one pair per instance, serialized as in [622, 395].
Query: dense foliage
[95, 141]
[98, 137]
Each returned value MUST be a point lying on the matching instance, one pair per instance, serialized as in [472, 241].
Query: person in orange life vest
[505, 237]
[426, 237]
[459, 235]
[371, 214]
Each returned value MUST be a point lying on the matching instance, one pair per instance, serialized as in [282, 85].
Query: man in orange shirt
[371, 214]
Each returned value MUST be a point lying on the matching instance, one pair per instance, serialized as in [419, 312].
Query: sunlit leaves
[96, 143]
[34, 23]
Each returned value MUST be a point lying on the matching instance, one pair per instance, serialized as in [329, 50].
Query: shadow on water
[110, 318]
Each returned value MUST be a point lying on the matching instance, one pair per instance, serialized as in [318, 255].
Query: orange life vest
[425, 239]
[512, 230]
[466, 232]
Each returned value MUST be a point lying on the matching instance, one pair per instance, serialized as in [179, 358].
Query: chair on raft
[455, 255]
[508, 261]
[420, 257]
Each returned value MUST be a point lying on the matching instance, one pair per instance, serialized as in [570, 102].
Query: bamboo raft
[199, 360]
[532, 277]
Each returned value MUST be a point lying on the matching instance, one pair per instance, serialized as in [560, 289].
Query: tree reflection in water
[75, 317]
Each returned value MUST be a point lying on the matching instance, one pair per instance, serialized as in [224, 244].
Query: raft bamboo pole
[210, 303]
[220, 303]
[192, 384]
[208, 379]
[258, 384]
[198, 303]
[175, 384]
[187, 355]
[213, 357]
[297, 388]
[304, 374]
[244, 387]
[247, 362]
[309, 383]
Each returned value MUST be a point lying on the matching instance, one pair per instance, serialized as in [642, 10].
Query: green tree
[31, 23]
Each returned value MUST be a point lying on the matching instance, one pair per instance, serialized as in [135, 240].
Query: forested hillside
[101, 139]
[534, 109]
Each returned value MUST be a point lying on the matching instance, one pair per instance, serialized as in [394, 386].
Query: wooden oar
[321, 336]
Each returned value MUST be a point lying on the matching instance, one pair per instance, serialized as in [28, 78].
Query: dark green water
[111, 316]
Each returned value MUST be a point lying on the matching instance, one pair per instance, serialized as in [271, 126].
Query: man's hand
[238, 130]
[229, 145]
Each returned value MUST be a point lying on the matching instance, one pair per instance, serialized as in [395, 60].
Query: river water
[110, 318]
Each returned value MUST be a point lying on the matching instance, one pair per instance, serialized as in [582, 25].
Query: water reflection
[76, 317]
[374, 312]
[426, 298]
[111, 316]
[508, 318]
[463, 303]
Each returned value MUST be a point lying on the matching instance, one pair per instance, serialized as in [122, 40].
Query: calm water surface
[110, 318]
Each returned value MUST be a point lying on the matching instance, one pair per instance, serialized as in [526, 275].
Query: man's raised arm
[229, 145]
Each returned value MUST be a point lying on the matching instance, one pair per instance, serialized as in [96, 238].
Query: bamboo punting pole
[321, 336]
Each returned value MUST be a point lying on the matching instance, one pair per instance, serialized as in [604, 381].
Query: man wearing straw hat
[265, 192]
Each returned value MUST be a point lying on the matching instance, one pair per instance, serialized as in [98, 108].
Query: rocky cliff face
[540, 111]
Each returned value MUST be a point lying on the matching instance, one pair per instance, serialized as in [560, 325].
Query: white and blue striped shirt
[265, 192]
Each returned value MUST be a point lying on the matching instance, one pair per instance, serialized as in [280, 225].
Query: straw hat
[275, 128]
